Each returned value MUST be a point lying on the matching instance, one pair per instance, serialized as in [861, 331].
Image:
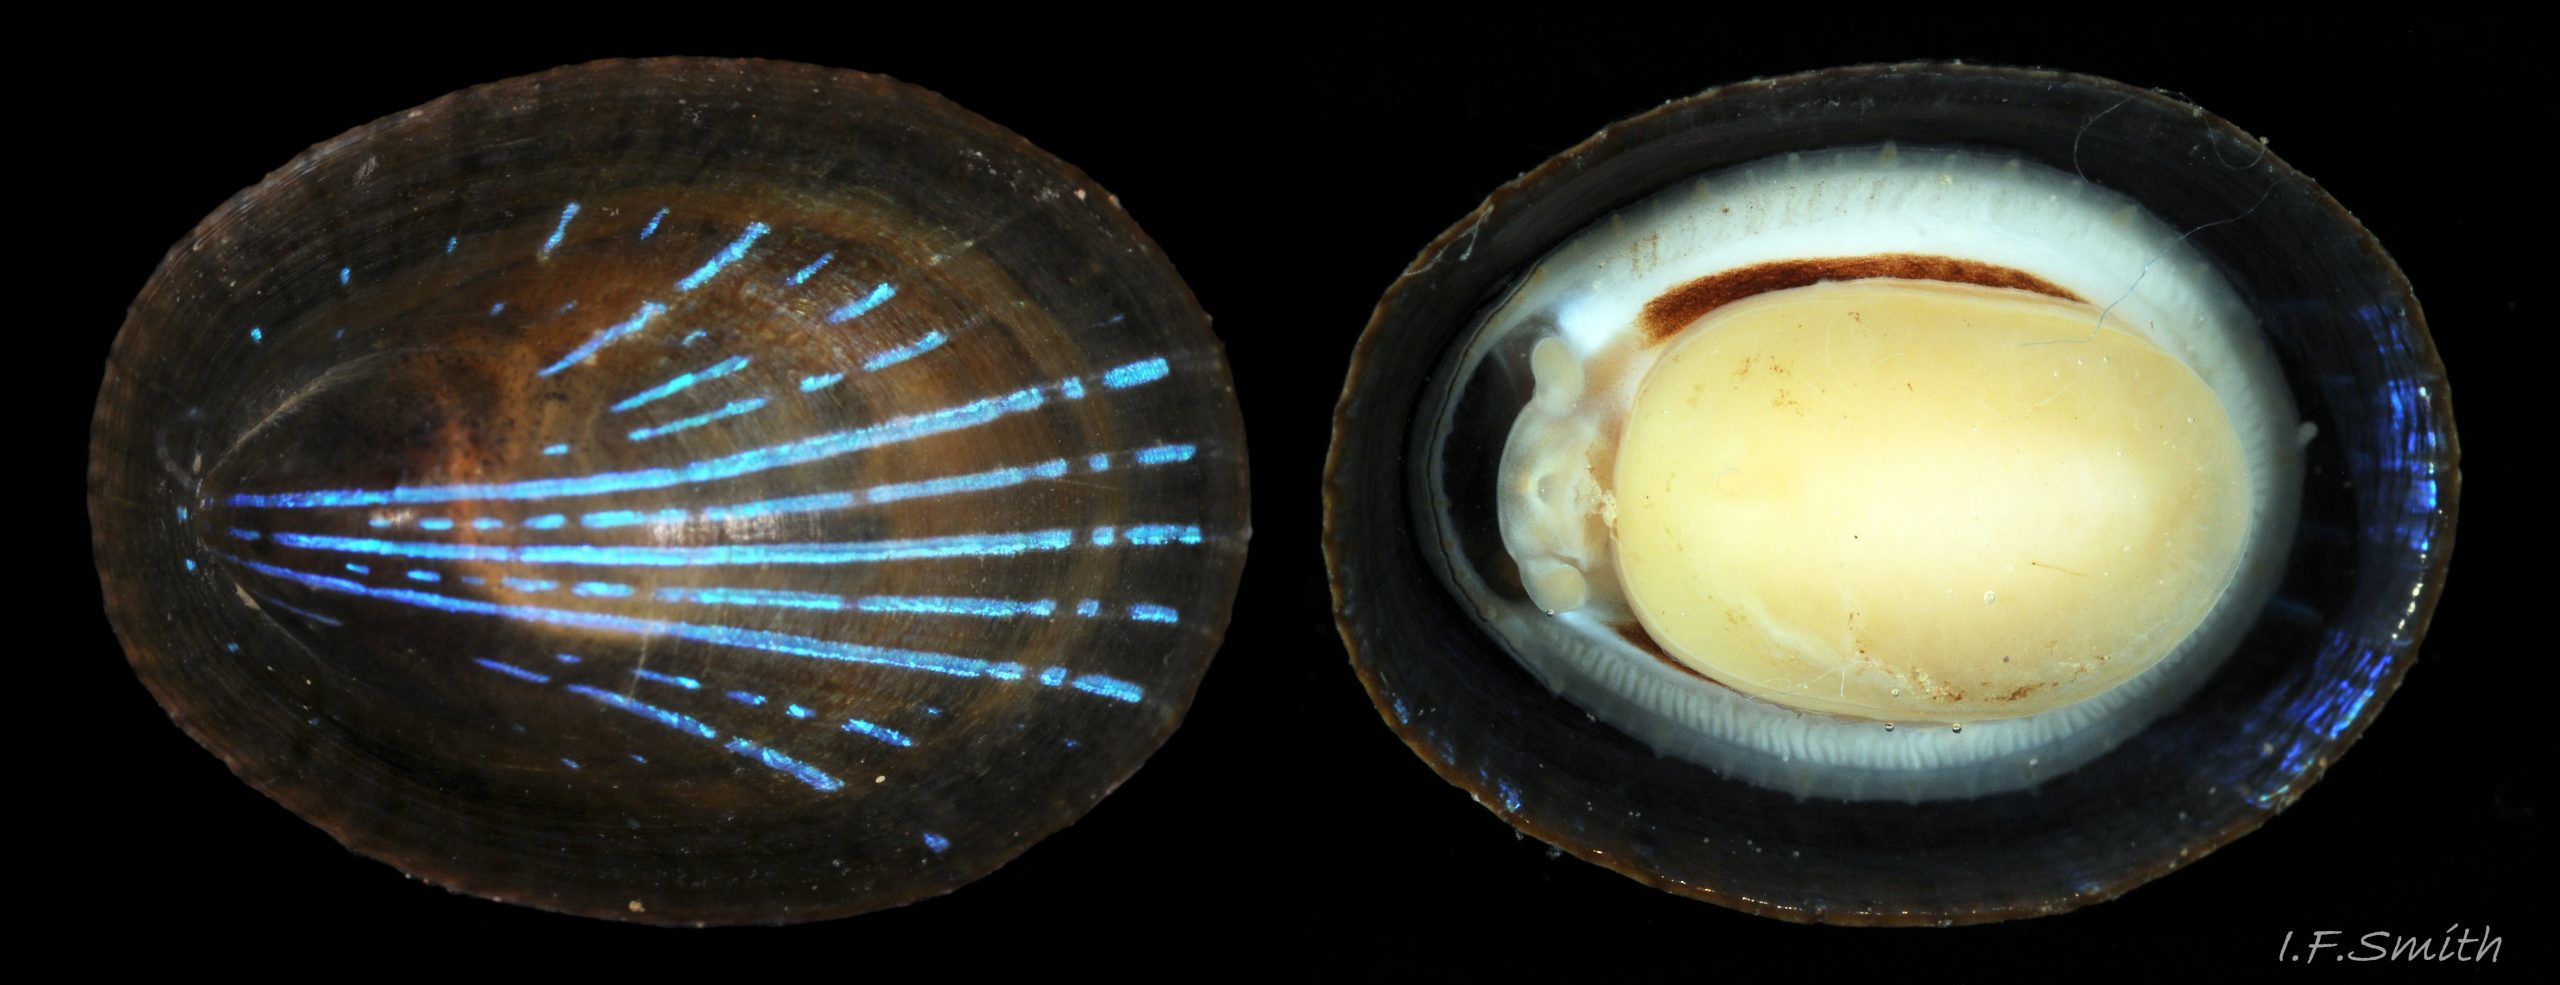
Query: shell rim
[425, 869]
[1469, 226]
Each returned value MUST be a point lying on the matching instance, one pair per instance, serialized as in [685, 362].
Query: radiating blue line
[672, 719]
[735, 408]
[1163, 454]
[1136, 373]
[1073, 388]
[345, 274]
[425, 576]
[529, 584]
[938, 843]
[488, 523]
[553, 243]
[243, 534]
[474, 580]
[1089, 608]
[436, 523]
[1118, 690]
[629, 518]
[880, 732]
[814, 266]
[811, 384]
[770, 642]
[974, 482]
[857, 308]
[298, 610]
[752, 596]
[799, 452]
[800, 771]
[949, 606]
[1143, 612]
[568, 658]
[678, 680]
[360, 569]
[747, 698]
[652, 228]
[931, 341]
[497, 309]
[958, 607]
[1103, 536]
[794, 504]
[680, 383]
[692, 337]
[638, 321]
[570, 763]
[602, 590]
[686, 723]
[1053, 676]
[847, 552]
[559, 449]
[512, 670]
[728, 255]
[796, 711]
[547, 521]
[1162, 533]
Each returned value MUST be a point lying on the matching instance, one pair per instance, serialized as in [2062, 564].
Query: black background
[1291, 172]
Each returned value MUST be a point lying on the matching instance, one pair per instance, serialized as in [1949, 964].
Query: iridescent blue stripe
[1154, 613]
[814, 266]
[880, 732]
[636, 322]
[686, 723]
[680, 383]
[512, 670]
[1162, 533]
[629, 518]
[931, 341]
[560, 449]
[730, 254]
[735, 408]
[529, 584]
[799, 452]
[436, 523]
[752, 596]
[974, 482]
[863, 305]
[553, 243]
[950, 606]
[1162, 454]
[770, 642]
[678, 680]
[652, 228]
[1136, 373]
[847, 552]
[601, 590]
[812, 384]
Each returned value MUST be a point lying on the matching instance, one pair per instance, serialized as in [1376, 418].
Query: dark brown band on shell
[1674, 309]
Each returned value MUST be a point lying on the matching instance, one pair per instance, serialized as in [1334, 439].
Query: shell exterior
[681, 491]
[2349, 605]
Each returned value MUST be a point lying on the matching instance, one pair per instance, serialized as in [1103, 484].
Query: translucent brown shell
[680, 491]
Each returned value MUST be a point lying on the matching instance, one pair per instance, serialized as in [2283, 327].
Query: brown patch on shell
[1675, 309]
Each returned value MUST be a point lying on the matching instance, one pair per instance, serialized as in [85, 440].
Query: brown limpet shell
[680, 491]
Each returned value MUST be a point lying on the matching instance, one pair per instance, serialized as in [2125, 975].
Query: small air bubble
[1956, 727]
[1888, 726]
[1990, 597]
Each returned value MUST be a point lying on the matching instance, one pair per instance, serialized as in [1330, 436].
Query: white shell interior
[1585, 298]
